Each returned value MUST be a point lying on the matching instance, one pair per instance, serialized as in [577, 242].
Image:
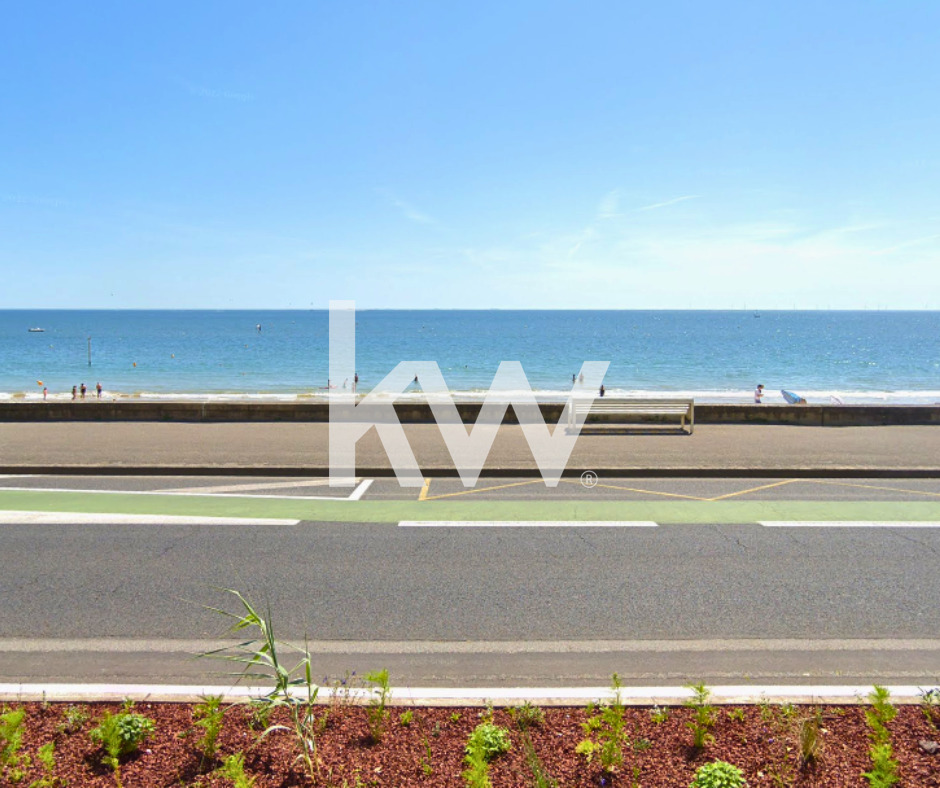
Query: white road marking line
[84, 518]
[223, 488]
[356, 494]
[466, 696]
[175, 494]
[849, 523]
[526, 524]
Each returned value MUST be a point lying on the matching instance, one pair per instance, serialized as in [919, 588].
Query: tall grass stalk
[261, 657]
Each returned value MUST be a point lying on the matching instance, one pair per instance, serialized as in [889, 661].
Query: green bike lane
[389, 511]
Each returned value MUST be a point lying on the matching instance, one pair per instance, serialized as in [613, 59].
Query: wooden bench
[607, 406]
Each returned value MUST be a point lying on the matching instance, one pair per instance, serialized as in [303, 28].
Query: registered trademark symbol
[588, 479]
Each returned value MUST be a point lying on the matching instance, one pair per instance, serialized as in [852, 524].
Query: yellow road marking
[423, 495]
[752, 489]
[481, 489]
[638, 490]
[873, 487]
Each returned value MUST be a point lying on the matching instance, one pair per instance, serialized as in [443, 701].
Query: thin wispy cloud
[609, 205]
[407, 209]
[906, 244]
[668, 202]
[213, 93]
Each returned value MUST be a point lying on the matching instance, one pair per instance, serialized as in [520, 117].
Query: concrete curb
[463, 696]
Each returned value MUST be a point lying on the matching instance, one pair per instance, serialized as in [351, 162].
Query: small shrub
[527, 716]
[406, 717]
[12, 725]
[46, 756]
[884, 772]
[73, 718]
[606, 732]
[659, 714]
[718, 774]
[704, 715]
[120, 735]
[233, 768]
[882, 711]
[736, 714]
[378, 712]
[810, 739]
[209, 715]
[930, 705]
[485, 743]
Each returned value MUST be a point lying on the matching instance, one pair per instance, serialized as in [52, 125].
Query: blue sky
[436, 154]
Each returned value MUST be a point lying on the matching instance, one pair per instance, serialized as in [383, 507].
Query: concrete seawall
[420, 413]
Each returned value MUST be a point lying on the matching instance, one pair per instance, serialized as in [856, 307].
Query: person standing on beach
[758, 393]
[45, 393]
[573, 379]
[355, 382]
[602, 389]
[83, 390]
[74, 392]
[98, 389]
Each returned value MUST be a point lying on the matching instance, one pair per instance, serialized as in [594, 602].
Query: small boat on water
[36, 330]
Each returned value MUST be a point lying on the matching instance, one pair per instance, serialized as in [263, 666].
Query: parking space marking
[480, 489]
[356, 494]
[751, 489]
[423, 495]
[872, 487]
[639, 490]
[249, 486]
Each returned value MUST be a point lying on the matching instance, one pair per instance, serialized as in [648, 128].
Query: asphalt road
[721, 602]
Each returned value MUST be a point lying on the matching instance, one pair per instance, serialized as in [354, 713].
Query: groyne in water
[420, 412]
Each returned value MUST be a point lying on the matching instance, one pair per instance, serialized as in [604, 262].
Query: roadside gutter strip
[460, 696]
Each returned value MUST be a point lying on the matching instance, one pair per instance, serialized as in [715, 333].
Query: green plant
[262, 660]
[930, 705]
[455, 716]
[884, 772]
[659, 714]
[809, 737]
[260, 717]
[46, 756]
[704, 715]
[120, 735]
[377, 712]
[527, 716]
[718, 774]
[884, 768]
[426, 766]
[208, 716]
[12, 724]
[736, 714]
[540, 778]
[606, 731]
[406, 717]
[73, 718]
[882, 711]
[485, 743]
[233, 768]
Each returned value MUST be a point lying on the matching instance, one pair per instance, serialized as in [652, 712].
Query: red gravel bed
[430, 750]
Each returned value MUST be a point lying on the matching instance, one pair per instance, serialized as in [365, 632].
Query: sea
[714, 356]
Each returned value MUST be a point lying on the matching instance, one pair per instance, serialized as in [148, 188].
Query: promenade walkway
[303, 448]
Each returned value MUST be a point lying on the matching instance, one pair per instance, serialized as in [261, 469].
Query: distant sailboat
[36, 330]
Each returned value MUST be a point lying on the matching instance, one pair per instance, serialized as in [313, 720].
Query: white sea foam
[702, 396]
